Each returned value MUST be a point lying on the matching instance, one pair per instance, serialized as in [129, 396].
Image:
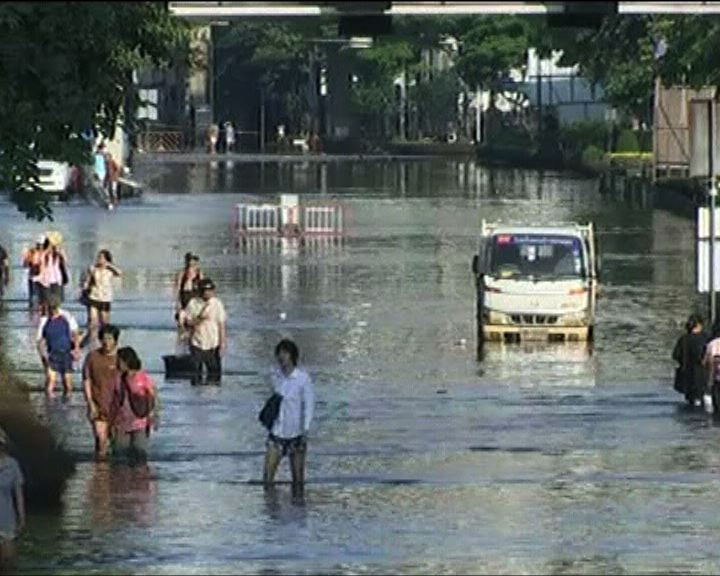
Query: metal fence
[322, 220]
[161, 141]
[258, 219]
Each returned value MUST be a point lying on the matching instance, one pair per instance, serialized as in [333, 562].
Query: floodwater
[422, 459]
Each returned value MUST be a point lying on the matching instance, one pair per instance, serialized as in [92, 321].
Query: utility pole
[712, 193]
[262, 120]
[478, 116]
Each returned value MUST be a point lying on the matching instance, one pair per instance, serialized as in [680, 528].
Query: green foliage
[693, 45]
[627, 142]
[376, 69]
[592, 156]
[585, 133]
[619, 56]
[491, 46]
[67, 67]
[438, 100]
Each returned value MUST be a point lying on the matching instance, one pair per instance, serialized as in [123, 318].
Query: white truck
[536, 282]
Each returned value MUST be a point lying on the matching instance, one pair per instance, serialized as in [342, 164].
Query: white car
[54, 176]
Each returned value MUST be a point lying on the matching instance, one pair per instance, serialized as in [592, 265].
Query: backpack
[141, 405]
[270, 411]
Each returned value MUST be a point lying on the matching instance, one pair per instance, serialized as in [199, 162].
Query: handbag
[681, 373]
[141, 405]
[270, 411]
[64, 272]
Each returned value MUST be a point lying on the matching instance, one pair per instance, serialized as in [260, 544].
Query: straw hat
[55, 238]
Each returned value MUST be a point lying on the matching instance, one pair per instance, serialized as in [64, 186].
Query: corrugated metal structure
[680, 143]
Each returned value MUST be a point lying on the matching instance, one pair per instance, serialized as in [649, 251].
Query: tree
[618, 56]
[376, 69]
[438, 99]
[66, 68]
[490, 47]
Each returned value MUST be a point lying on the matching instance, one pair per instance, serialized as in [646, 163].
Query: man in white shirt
[209, 335]
[288, 435]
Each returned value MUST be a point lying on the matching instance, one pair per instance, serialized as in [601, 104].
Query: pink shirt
[125, 419]
[712, 350]
[50, 272]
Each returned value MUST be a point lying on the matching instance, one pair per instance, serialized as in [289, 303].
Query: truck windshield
[537, 256]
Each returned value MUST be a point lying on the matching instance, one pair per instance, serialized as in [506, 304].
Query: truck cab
[536, 282]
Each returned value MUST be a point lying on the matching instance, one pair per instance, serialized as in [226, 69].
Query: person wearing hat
[208, 339]
[31, 260]
[12, 503]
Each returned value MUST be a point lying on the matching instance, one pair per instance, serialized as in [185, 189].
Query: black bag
[270, 411]
[64, 272]
[680, 355]
[680, 379]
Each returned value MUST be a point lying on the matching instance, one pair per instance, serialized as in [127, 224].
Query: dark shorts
[46, 292]
[288, 446]
[100, 306]
[61, 363]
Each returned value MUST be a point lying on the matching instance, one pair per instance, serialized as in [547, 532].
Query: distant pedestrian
[691, 377]
[12, 504]
[112, 178]
[134, 407]
[229, 137]
[98, 291]
[208, 340]
[213, 133]
[54, 273]
[100, 166]
[4, 270]
[31, 260]
[58, 340]
[187, 282]
[288, 434]
[99, 381]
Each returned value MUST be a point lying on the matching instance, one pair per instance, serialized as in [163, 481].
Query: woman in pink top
[133, 407]
[53, 272]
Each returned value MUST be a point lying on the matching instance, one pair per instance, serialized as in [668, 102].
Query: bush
[627, 142]
[580, 135]
[592, 156]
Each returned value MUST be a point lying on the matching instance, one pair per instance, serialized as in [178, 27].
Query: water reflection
[119, 494]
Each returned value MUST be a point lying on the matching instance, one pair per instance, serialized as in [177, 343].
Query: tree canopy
[67, 67]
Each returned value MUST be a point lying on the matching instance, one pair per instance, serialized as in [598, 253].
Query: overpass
[209, 11]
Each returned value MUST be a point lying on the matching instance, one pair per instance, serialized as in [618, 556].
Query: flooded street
[421, 459]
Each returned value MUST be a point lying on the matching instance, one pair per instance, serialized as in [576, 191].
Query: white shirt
[298, 403]
[207, 333]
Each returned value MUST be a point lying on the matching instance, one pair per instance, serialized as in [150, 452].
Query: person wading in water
[12, 504]
[99, 382]
[691, 377]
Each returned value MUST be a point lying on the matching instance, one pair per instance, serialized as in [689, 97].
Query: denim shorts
[61, 363]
